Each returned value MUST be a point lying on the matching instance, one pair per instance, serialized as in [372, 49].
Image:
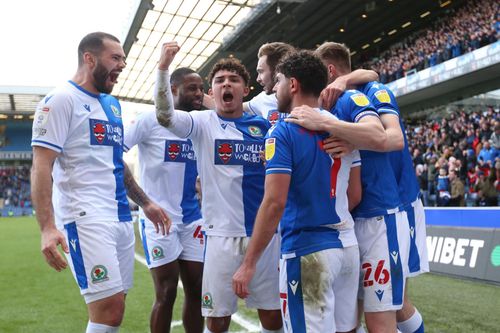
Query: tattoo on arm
[133, 189]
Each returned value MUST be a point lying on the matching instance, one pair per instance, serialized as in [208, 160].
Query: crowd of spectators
[474, 25]
[15, 188]
[457, 158]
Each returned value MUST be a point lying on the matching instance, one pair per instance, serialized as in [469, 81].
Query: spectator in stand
[466, 29]
[495, 137]
[422, 180]
[487, 154]
[486, 193]
[443, 188]
[457, 190]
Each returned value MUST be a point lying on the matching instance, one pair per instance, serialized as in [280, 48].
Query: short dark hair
[335, 53]
[178, 75]
[307, 69]
[231, 65]
[274, 51]
[93, 43]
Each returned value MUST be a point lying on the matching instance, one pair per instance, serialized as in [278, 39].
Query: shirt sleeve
[356, 159]
[278, 151]
[384, 102]
[360, 107]
[134, 131]
[52, 122]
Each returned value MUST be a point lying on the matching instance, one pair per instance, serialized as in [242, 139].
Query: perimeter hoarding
[464, 242]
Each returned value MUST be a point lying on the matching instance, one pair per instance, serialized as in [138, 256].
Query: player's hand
[241, 280]
[337, 147]
[158, 216]
[307, 117]
[51, 238]
[332, 92]
[168, 52]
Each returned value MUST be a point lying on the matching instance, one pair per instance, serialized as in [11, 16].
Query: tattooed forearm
[163, 99]
[133, 189]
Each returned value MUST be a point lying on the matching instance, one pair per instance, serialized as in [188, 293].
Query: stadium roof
[210, 29]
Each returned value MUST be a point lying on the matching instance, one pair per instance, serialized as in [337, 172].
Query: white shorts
[319, 291]
[185, 242]
[418, 261]
[384, 249]
[223, 256]
[101, 257]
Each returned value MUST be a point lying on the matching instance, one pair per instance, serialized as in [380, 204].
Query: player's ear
[89, 59]
[294, 85]
[332, 71]
[210, 92]
[175, 90]
[246, 91]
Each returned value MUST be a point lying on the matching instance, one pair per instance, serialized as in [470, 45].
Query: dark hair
[336, 54]
[307, 69]
[275, 52]
[93, 43]
[178, 75]
[232, 65]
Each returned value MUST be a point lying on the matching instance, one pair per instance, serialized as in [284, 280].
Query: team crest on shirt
[157, 253]
[173, 150]
[360, 99]
[383, 96]
[270, 148]
[225, 151]
[116, 111]
[273, 117]
[206, 301]
[99, 132]
[254, 131]
[99, 273]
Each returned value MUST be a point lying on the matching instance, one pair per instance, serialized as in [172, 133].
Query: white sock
[263, 330]
[360, 329]
[101, 328]
[413, 324]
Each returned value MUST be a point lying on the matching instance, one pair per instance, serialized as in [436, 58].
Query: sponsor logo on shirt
[86, 107]
[103, 133]
[273, 117]
[237, 152]
[270, 148]
[42, 116]
[179, 151]
[360, 99]
[383, 96]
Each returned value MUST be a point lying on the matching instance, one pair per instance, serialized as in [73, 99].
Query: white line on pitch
[238, 319]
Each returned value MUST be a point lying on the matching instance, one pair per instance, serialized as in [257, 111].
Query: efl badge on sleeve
[270, 148]
[383, 96]
[360, 99]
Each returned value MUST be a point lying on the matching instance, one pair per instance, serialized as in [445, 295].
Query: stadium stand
[15, 196]
[474, 25]
[466, 142]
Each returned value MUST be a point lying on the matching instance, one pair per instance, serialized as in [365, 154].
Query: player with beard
[79, 183]
[168, 175]
[306, 192]
[227, 143]
[265, 104]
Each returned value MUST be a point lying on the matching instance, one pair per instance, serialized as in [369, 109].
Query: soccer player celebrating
[227, 143]
[80, 183]
[307, 189]
[409, 319]
[168, 174]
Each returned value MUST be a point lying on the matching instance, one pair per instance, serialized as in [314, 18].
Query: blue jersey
[401, 161]
[317, 197]
[380, 188]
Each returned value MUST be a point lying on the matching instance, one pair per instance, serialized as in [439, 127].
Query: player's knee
[166, 293]
[114, 313]
[218, 324]
[270, 319]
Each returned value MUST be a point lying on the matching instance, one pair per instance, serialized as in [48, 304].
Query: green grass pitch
[35, 298]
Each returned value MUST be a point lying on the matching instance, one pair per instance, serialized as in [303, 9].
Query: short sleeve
[383, 100]
[51, 122]
[134, 131]
[278, 150]
[356, 159]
